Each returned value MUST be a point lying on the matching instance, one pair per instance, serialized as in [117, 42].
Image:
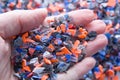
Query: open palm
[16, 22]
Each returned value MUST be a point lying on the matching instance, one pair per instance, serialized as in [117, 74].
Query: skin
[16, 22]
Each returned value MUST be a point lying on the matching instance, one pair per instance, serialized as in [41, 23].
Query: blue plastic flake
[59, 42]
[62, 67]
[108, 35]
[50, 38]
[44, 39]
[66, 16]
[19, 50]
[39, 48]
[96, 69]
[18, 42]
[68, 57]
[58, 36]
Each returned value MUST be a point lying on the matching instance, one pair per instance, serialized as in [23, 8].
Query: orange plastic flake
[82, 36]
[110, 72]
[108, 27]
[115, 78]
[97, 75]
[27, 68]
[74, 49]
[47, 61]
[59, 53]
[63, 28]
[81, 30]
[71, 32]
[27, 40]
[65, 50]
[76, 44]
[25, 35]
[51, 47]
[117, 68]
[101, 68]
[58, 29]
[11, 5]
[54, 60]
[44, 77]
[23, 62]
[102, 76]
[38, 37]
[85, 32]
[77, 52]
[19, 4]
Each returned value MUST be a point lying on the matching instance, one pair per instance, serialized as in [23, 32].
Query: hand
[16, 22]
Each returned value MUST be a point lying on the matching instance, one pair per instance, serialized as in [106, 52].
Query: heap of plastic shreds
[108, 59]
[43, 53]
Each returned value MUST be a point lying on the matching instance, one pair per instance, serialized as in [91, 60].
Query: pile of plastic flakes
[108, 59]
[43, 53]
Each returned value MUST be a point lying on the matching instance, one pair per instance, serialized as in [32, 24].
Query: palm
[26, 20]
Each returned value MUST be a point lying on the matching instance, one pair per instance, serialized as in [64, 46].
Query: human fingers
[79, 17]
[96, 25]
[78, 70]
[85, 18]
[19, 21]
[94, 46]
